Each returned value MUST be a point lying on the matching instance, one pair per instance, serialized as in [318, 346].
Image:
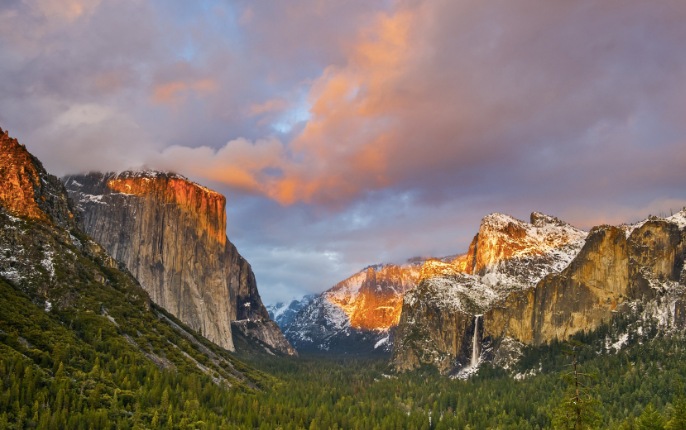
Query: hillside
[79, 335]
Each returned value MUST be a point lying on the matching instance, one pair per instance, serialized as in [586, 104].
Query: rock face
[358, 315]
[266, 332]
[531, 288]
[69, 293]
[171, 234]
[27, 190]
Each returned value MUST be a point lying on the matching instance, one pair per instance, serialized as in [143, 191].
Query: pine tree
[651, 419]
[577, 410]
[60, 371]
[678, 419]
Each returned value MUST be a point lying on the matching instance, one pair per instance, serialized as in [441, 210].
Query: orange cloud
[272, 105]
[343, 149]
[347, 142]
[240, 164]
[65, 9]
[176, 92]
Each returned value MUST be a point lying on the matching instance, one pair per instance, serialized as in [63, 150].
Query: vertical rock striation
[171, 234]
[63, 295]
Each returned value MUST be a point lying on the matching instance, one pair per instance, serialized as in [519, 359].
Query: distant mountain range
[161, 238]
[283, 313]
[519, 283]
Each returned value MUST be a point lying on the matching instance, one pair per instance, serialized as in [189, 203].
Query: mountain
[357, 315]
[78, 334]
[170, 233]
[283, 313]
[532, 283]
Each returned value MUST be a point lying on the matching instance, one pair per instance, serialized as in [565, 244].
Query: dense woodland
[70, 369]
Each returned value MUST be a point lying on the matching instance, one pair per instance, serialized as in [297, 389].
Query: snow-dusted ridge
[514, 256]
[145, 174]
[678, 218]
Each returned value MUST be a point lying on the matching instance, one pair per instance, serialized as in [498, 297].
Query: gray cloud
[423, 116]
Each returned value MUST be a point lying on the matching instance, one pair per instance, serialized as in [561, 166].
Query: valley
[124, 305]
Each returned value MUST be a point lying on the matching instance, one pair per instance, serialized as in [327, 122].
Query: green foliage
[104, 357]
[578, 409]
[678, 413]
[650, 419]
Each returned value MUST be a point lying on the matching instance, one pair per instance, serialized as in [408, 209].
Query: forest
[66, 369]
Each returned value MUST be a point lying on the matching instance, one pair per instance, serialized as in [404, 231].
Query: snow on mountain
[357, 313]
[283, 313]
[678, 218]
[506, 255]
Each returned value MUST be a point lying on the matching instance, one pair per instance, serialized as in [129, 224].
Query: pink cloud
[176, 92]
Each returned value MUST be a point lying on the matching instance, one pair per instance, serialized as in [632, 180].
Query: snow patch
[47, 263]
[381, 342]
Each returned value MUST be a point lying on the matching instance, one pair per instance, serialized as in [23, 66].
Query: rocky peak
[436, 268]
[679, 218]
[27, 190]
[357, 313]
[207, 208]
[549, 281]
[502, 237]
[540, 220]
[372, 298]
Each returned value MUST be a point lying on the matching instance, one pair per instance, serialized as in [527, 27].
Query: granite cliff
[171, 234]
[64, 300]
[530, 283]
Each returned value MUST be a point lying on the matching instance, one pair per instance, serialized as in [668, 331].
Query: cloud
[432, 94]
[269, 106]
[68, 10]
[372, 130]
[240, 164]
[176, 92]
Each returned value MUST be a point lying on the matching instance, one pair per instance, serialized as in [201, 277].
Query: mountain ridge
[526, 296]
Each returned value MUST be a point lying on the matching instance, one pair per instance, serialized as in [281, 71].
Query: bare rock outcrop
[171, 234]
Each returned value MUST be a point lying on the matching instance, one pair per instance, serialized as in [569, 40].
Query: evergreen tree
[577, 410]
[651, 419]
[678, 418]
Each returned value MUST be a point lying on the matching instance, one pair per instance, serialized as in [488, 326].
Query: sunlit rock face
[358, 314]
[373, 299]
[26, 189]
[502, 237]
[534, 282]
[171, 234]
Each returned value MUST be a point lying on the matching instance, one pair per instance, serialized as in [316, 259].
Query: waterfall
[475, 346]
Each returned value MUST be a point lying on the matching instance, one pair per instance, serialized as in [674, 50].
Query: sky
[350, 133]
